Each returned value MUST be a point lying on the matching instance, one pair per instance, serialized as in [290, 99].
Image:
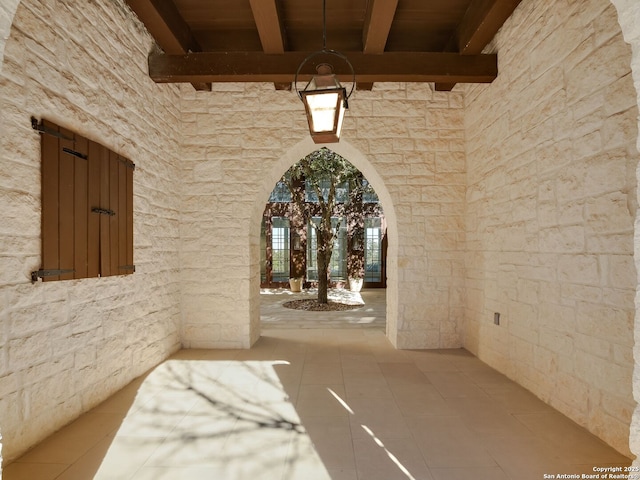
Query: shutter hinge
[40, 128]
[103, 211]
[127, 267]
[48, 273]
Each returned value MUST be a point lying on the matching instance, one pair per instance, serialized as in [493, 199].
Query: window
[280, 194]
[338, 263]
[373, 250]
[342, 191]
[87, 207]
[369, 195]
[280, 249]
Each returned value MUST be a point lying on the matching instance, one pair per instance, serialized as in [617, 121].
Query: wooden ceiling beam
[479, 25]
[165, 24]
[481, 22]
[266, 14]
[377, 24]
[261, 67]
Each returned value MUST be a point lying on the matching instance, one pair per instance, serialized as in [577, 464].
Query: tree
[324, 172]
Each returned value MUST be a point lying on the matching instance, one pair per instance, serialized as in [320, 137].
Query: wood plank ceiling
[440, 41]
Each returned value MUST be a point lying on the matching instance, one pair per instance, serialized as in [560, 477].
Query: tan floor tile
[446, 442]
[317, 403]
[89, 464]
[323, 354]
[125, 456]
[355, 369]
[402, 374]
[384, 352]
[487, 379]
[32, 471]
[575, 444]
[343, 473]
[374, 406]
[366, 391]
[485, 417]
[248, 471]
[422, 401]
[73, 441]
[516, 399]
[332, 440]
[454, 384]
[528, 458]
[317, 400]
[321, 374]
[122, 401]
[475, 473]
[391, 459]
[385, 426]
[433, 363]
[364, 378]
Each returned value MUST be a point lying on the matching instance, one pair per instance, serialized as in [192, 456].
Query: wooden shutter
[87, 207]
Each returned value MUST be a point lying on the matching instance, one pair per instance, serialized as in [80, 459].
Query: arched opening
[355, 157]
[290, 240]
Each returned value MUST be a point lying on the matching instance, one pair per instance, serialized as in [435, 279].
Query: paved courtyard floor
[372, 313]
[315, 403]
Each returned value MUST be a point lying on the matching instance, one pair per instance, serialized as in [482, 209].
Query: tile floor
[318, 404]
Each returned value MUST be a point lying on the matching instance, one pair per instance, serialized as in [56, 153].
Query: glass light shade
[325, 109]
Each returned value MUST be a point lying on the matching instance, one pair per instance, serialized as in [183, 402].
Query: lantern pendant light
[325, 99]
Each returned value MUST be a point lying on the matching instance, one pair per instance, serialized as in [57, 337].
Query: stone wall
[239, 139]
[7, 11]
[629, 18]
[551, 202]
[65, 346]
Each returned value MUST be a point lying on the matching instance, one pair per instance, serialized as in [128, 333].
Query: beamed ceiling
[439, 41]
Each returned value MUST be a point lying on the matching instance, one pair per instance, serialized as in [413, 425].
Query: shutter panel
[81, 208]
[93, 192]
[50, 186]
[122, 215]
[66, 207]
[87, 207]
[105, 260]
[114, 219]
[129, 193]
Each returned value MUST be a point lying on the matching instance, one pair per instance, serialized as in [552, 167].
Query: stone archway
[359, 160]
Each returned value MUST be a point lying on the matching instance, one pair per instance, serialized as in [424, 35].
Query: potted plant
[355, 283]
[295, 284]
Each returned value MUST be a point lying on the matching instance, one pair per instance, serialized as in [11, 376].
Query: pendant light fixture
[325, 99]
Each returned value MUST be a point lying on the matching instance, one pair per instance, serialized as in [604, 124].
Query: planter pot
[355, 284]
[295, 284]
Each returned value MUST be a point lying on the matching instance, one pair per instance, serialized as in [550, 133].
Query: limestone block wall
[629, 18]
[239, 139]
[7, 10]
[65, 346]
[551, 201]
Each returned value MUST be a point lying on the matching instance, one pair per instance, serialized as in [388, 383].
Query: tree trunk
[325, 249]
[323, 280]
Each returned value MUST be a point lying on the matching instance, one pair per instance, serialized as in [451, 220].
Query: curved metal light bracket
[325, 99]
[324, 52]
